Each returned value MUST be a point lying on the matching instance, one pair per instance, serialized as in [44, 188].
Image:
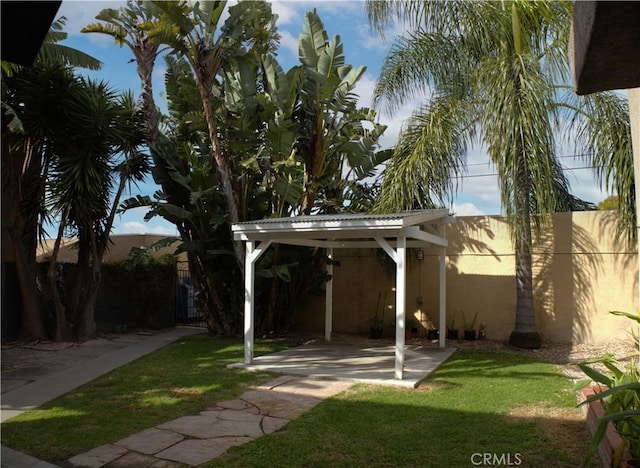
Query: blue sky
[478, 193]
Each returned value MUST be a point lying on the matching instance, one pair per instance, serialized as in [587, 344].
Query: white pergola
[394, 233]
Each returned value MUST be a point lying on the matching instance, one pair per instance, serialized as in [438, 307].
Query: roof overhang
[24, 27]
[605, 45]
[348, 230]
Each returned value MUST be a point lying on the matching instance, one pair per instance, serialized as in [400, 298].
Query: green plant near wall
[621, 399]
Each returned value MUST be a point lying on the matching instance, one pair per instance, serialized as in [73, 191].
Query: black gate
[186, 311]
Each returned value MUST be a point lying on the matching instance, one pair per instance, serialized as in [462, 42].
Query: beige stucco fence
[581, 272]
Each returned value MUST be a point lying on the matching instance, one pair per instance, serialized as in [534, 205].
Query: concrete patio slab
[352, 362]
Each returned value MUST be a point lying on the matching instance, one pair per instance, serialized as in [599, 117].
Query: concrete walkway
[34, 374]
[58, 371]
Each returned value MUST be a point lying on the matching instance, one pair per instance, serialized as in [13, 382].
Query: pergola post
[328, 298]
[253, 253]
[401, 283]
[443, 296]
[249, 283]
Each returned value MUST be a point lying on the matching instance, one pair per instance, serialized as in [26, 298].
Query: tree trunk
[205, 74]
[525, 334]
[22, 170]
[145, 61]
[32, 326]
[62, 329]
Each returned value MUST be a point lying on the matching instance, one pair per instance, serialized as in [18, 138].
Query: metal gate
[186, 311]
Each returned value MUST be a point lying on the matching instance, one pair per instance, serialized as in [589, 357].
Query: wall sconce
[420, 254]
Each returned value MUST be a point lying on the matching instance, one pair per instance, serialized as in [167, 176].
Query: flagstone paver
[98, 457]
[198, 451]
[150, 441]
[199, 438]
[138, 460]
[208, 427]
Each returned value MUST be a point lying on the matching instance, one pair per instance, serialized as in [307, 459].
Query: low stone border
[593, 412]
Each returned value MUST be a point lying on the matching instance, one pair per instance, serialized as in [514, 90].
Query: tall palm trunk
[145, 61]
[205, 75]
[525, 334]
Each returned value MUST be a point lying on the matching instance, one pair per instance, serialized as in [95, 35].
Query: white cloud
[136, 227]
[466, 209]
[288, 43]
[81, 13]
[370, 40]
[287, 14]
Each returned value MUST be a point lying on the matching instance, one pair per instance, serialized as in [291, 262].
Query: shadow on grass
[180, 379]
[476, 403]
[356, 433]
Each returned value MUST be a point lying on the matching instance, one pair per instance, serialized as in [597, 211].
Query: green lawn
[476, 403]
[177, 380]
[513, 408]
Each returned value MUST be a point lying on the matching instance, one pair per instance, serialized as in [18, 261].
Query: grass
[177, 380]
[478, 402]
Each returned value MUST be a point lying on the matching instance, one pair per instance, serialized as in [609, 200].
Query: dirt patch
[562, 428]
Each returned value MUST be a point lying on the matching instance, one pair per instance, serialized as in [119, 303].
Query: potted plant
[411, 327]
[377, 327]
[432, 331]
[469, 327]
[619, 393]
[452, 331]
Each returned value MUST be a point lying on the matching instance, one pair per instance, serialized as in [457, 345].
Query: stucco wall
[580, 273]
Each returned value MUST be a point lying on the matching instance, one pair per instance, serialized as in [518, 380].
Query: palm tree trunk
[525, 334]
[221, 164]
[145, 60]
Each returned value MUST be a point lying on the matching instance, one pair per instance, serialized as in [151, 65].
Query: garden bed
[593, 413]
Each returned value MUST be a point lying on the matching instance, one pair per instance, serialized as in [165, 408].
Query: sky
[478, 192]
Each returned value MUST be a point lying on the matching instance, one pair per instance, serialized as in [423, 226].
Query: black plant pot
[470, 335]
[452, 334]
[376, 333]
[432, 334]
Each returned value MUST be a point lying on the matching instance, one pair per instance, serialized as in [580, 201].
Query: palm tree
[25, 159]
[98, 156]
[124, 25]
[495, 71]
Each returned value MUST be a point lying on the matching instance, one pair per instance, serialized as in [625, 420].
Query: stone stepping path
[197, 439]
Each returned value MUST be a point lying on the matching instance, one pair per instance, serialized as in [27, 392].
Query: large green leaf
[313, 40]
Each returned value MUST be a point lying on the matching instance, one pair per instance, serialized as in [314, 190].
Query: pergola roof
[394, 233]
[346, 230]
